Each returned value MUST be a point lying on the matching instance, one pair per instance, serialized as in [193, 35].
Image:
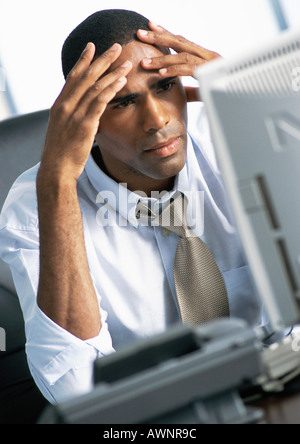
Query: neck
[148, 187]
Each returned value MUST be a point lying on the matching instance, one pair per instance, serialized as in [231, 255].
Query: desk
[281, 411]
[282, 408]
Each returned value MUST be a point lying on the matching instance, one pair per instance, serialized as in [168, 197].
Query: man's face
[143, 132]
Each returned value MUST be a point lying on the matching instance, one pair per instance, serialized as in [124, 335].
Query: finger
[82, 77]
[89, 121]
[94, 72]
[181, 70]
[121, 71]
[100, 102]
[81, 66]
[99, 87]
[162, 37]
[154, 27]
[170, 60]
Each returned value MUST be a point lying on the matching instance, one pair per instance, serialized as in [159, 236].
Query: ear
[192, 94]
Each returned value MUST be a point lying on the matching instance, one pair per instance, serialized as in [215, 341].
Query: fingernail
[163, 71]
[143, 33]
[87, 48]
[147, 61]
[126, 64]
[115, 47]
[156, 25]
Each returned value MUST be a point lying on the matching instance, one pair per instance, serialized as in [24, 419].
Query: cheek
[117, 144]
[114, 131]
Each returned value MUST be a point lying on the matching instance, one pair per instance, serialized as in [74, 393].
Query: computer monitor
[253, 105]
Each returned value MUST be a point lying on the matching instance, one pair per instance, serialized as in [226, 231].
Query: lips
[162, 144]
[165, 149]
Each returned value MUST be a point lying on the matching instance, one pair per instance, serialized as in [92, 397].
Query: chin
[170, 167]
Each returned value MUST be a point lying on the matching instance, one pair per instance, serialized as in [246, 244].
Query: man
[90, 274]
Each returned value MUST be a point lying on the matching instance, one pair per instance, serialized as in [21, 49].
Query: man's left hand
[189, 56]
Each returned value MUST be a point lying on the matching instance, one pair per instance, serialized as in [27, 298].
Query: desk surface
[281, 411]
[283, 408]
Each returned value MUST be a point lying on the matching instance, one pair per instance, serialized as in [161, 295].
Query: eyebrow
[133, 96]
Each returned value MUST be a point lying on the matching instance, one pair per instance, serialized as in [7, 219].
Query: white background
[32, 33]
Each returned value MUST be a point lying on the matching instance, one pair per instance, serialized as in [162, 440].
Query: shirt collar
[124, 201]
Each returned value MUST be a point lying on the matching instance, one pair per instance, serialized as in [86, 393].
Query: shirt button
[166, 232]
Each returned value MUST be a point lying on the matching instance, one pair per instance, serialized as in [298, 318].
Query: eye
[166, 86]
[124, 104]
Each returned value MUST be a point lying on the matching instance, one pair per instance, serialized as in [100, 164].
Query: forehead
[135, 52]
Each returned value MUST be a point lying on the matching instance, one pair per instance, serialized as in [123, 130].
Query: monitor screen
[253, 105]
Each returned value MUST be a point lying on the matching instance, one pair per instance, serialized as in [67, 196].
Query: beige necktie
[200, 288]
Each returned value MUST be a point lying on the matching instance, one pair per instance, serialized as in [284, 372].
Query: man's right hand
[66, 291]
[75, 116]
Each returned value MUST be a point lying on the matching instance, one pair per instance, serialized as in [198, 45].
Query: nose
[155, 116]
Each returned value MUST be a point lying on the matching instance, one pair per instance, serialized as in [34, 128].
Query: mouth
[165, 149]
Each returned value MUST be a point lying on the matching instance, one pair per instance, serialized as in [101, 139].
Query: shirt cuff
[53, 351]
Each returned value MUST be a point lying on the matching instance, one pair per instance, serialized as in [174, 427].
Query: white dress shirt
[131, 265]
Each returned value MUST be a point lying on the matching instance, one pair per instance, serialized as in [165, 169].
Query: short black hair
[104, 28]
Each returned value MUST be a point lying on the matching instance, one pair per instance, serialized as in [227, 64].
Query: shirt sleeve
[61, 364]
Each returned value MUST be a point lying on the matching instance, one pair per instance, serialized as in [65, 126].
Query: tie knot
[171, 215]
